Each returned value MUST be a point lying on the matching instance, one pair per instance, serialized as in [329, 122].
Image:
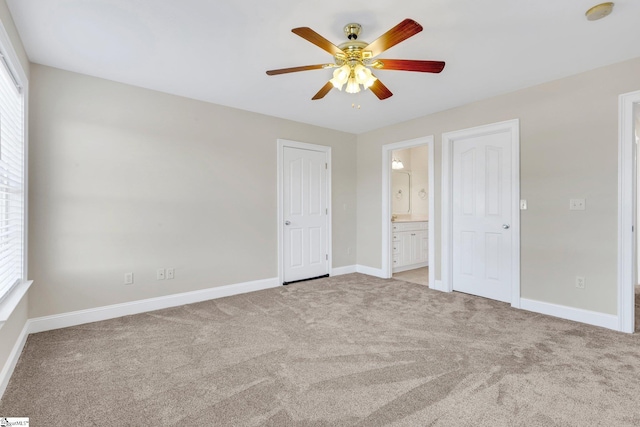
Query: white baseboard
[64, 320]
[377, 272]
[608, 321]
[339, 271]
[12, 361]
[439, 286]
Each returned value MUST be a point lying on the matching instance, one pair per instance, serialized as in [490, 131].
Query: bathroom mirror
[401, 192]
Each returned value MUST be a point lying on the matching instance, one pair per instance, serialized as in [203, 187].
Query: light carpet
[343, 351]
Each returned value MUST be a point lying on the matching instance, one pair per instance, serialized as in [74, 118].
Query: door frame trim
[281, 144]
[448, 138]
[387, 257]
[627, 188]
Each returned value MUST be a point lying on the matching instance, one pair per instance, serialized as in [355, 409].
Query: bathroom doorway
[408, 200]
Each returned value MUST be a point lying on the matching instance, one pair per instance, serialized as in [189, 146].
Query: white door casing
[627, 205]
[304, 211]
[481, 218]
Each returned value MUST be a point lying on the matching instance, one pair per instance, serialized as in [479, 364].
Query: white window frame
[12, 297]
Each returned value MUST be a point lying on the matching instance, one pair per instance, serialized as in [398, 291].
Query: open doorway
[636, 137]
[407, 211]
[410, 214]
[628, 220]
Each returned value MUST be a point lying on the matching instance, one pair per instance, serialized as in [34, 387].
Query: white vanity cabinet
[410, 245]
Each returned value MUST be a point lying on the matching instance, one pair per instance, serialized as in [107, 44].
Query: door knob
[505, 226]
[287, 222]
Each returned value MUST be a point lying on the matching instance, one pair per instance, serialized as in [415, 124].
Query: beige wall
[568, 135]
[10, 331]
[125, 179]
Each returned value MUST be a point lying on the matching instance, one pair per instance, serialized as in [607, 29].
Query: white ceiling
[218, 51]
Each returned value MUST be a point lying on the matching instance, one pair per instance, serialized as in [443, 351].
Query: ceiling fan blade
[380, 90]
[315, 38]
[322, 92]
[410, 65]
[296, 69]
[400, 32]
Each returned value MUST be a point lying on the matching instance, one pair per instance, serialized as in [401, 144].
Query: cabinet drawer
[396, 247]
[409, 226]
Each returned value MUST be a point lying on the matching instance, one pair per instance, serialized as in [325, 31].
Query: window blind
[11, 180]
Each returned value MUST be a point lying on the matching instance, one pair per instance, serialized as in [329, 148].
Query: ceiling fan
[354, 59]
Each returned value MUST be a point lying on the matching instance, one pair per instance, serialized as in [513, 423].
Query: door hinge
[326, 165]
[326, 211]
[326, 257]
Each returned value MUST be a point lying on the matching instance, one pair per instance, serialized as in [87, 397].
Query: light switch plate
[523, 205]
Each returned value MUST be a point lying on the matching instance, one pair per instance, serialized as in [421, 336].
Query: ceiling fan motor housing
[352, 31]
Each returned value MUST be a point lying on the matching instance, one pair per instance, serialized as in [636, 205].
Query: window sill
[12, 300]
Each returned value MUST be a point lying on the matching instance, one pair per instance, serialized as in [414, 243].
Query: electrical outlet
[128, 278]
[170, 273]
[523, 205]
[577, 205]
[579, 282]
[160, 274]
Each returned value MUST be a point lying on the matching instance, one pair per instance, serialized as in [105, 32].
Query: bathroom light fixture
[397, 164]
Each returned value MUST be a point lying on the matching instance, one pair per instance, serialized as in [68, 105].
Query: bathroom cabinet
[410, 245]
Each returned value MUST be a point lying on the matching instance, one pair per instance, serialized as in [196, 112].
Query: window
[12, 191]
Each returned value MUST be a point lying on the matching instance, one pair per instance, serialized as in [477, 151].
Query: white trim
[513, 127]
[626, 212]
[339, 271]
[12, 360]
[608, 321]
[74, 318]
[370, 271]
[20, 76]
[11, 301]
[437, 285]
[12, 56]
[281, 143]
[387, 149]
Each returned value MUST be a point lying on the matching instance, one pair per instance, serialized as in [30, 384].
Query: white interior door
[305, 214]
[482, 215]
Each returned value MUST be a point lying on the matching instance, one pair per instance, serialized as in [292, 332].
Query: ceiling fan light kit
[354, 59]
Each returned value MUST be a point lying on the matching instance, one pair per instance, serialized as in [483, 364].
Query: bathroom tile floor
[419, 276]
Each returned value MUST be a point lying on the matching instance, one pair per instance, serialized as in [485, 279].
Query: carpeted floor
[345, 351]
